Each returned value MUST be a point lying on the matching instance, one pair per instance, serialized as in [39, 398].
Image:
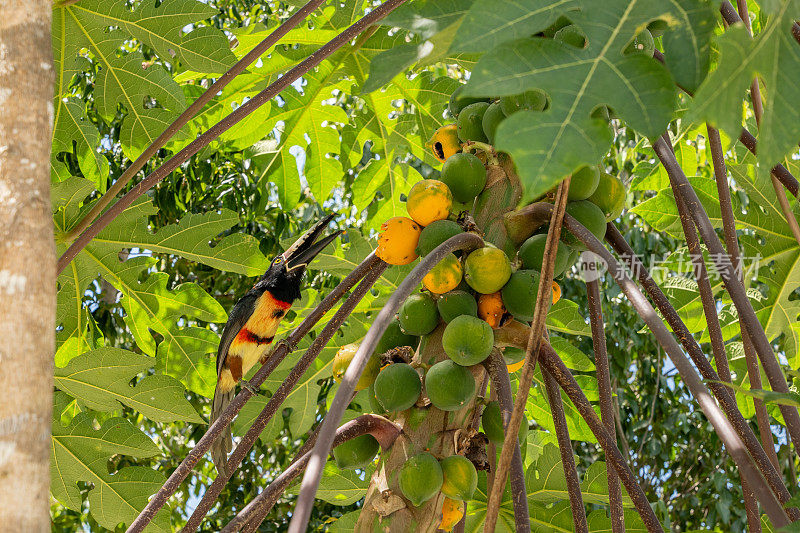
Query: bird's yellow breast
[255, 338]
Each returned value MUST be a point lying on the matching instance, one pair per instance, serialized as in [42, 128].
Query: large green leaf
[548, 500]
[769, 247]
[773, 55]
[488, 24]
[433, 25]
[546, 146]
[81, 453]
[565, 317]
[101, 380]
[123, 77]
[339, 487]
[150, 304]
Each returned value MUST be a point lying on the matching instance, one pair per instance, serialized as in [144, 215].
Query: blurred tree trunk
[27, 264]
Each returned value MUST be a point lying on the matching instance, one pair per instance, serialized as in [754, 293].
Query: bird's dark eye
[278, 260]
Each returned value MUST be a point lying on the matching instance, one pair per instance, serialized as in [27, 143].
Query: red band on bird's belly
[279, 303]
[247, 336]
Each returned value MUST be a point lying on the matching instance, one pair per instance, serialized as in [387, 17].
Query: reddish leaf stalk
[682, 187]
[189, 113]
[225, 124]
[501, 387]
[617, 513]
[308, 489]
[542, 306]
[567, 456]
[732, 244]
[717, 342]
[712, 411]
[193, 457]
[254, 512]
[280, 395]
[721, 392]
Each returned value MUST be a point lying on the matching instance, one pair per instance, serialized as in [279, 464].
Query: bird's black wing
[239, 316]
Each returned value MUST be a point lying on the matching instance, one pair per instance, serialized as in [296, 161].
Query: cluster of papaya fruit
[470, 294]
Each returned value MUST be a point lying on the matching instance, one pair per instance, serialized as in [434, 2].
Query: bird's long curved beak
[305, 249]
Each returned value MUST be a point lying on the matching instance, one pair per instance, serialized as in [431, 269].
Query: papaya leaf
[571, 355]
[432, 25]
[488, 24]
[345, 523]
[548, 145]
[548, 499]
[767, 396]
[339, 487]
[80, 453]
[565, 317]
[101, 380]
[125, 78]
[538, 408]
[774, 56]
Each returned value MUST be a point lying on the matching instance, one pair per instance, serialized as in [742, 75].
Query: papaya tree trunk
[27, 265]
[423, 428]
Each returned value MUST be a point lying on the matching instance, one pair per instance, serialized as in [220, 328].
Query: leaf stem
[726, 400]
[308, 489]
[567, 455]
[280, 395]
[682, 187]
[223, 125]
[617, 513]
[732, 245]
[516, 334]
[723, 427]
[501, 387]
[188, 114]
[212, 433]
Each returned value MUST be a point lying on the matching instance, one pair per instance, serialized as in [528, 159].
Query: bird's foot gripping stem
[283, 342]
[255, 391]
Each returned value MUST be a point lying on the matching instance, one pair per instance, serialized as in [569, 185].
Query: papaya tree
[564, 297]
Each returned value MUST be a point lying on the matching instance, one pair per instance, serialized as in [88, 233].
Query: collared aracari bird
[254, 320]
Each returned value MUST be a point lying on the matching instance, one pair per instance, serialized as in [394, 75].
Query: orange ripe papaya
[398, 240]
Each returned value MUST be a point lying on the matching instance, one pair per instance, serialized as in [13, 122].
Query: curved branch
[501, 385]
[384, 431]
[308, 489]
[715, 331]
[721, 425]
[280, 395]
[681, 187]
[189, 113]
[212, 433]
[617, 513]
[223, 125]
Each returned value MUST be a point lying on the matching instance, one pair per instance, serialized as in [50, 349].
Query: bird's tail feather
[222, 446]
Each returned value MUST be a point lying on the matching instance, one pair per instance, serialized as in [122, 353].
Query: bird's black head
[284, 275]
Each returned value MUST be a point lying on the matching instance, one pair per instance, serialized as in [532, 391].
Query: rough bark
[422, 429]
[27, 265]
